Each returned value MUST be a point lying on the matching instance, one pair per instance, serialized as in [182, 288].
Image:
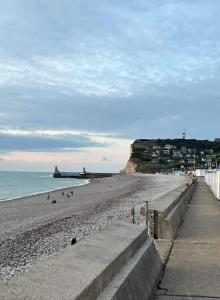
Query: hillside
[164, 155]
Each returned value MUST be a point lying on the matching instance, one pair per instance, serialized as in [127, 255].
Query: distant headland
[168, 155]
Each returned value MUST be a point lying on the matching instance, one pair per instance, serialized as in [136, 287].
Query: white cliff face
[130, 168]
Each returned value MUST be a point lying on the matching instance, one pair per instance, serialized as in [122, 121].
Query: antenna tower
[184, 134]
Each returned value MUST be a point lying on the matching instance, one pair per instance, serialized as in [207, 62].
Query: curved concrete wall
[116, 263]
[138, 278]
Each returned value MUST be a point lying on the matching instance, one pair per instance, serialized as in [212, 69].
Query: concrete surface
[168, 201]
[193, 269]
[80, 271]
[138, 278]
[163, 247]
[182, 297]
[171, 209]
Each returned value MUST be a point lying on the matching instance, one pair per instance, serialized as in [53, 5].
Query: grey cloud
[109, 48]
[123, 68]
[141, 115]
[35, 143]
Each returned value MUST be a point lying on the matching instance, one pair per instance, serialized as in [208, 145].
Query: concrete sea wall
[166, 213]
[117, 263]
[112, 264]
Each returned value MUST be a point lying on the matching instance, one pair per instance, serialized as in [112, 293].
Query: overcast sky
[80, 80]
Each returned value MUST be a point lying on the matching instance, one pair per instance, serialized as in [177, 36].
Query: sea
[19, 184]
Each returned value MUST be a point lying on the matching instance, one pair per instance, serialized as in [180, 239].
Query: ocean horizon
[16, 184]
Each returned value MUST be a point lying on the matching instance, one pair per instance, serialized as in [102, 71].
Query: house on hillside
[182, 161]
[154, 154]
[177, 153]
[166, 152]
[169, 147]
[156, 147]
[183, 150]
[191, 161]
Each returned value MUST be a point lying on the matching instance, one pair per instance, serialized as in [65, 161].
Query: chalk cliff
[166, 155]
[131, 167]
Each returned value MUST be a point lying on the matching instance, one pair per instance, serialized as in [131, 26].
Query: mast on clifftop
[184, 134]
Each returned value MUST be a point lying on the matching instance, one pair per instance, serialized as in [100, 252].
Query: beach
[32, 228]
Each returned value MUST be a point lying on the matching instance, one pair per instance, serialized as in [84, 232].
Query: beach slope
[32, 228]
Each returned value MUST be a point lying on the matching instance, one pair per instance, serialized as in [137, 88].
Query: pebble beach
[33, 227]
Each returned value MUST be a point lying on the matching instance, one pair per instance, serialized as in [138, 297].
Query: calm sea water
[18, 184]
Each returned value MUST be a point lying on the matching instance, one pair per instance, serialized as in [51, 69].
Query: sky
[80, 80]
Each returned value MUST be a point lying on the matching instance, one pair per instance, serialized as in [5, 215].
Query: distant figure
[62, 193]
[54, 201]
[133, 215]
[73, 241]
[67, 195]
[48, 196]
[71, 192]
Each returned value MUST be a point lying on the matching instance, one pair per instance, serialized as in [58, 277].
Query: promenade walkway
[193, 269]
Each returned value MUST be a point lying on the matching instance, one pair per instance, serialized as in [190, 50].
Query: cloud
[48, 142]
[130, 69]
[140, 46]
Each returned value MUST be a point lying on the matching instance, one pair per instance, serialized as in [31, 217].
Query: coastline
[46, 192]
[32, 228]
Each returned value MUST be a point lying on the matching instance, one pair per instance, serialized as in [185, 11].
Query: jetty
[174, 256]
[80, 175]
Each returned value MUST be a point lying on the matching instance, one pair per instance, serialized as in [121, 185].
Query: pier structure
[80, 175]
